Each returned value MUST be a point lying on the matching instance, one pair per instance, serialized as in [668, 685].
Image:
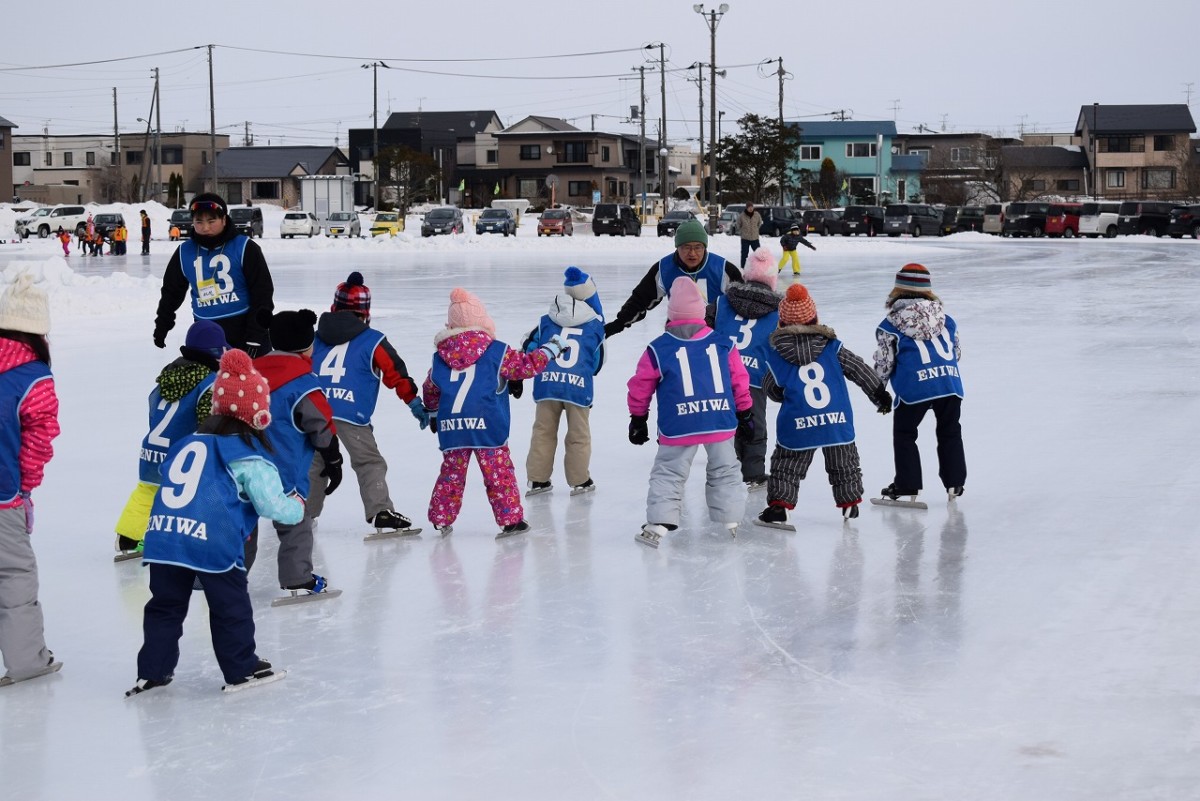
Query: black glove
[332, 471]
[516, 388]
[613, 328]
[882, 400]
[433, 428]
[160, 338]
[810, 245]
[639, 429]
[745, 427]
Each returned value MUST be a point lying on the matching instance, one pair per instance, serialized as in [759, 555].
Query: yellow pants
[136, 514]
[793, 257]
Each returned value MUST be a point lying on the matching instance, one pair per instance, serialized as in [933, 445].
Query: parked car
[970, 218]
[182, 219]
[949, 220]
[1148, 217]
[915, 219]
[105, 224]
[776, 220]
[862, 220]
[727, 221]
[583, 214]
[46, 221]
[445, 220]
[1025, 219]
[495, 221]
[387, 223]
[993, 218]
[825, 222]
[1099, 219]
[247, 220]
[1063, 220]
[343, 223]
[556, 221]
[672, 220]
[1185, 221]
[299, 223]
[616, 219]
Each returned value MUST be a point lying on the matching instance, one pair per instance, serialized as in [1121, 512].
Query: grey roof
[547, 123]
[463, 123]
[6, 124]
[1136, 119]
[1052, 157]
[819, 129]
[273, 162]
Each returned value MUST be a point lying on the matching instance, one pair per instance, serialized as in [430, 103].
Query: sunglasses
[207, 206]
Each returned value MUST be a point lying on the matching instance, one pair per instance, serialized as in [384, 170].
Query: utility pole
[895, 109]
[642, 136]
[116, 145]
[374, 67]
[158, 136]
[711, 19]
[700, 125]
[662, 130]
[782, 73]
[212, 123]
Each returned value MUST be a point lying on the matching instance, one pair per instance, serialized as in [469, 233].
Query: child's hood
[462, 348]
[14, 354]
[336, 328]
[918, 318]
[567, 311]
[752, 300]
[801, 344]
[179, 378]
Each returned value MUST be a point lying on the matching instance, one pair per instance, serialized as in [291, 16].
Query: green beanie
[691, 231]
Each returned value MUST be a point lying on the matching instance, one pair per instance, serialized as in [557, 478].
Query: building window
[1067, 184]
[531, 152]
[1164, 142]
[579, 188]
[49, 159]
[921, 151]
[860, 150]
[810, 152]
[605, 153]
[172, 155]
[528, 187]
[1161, 178]
[133, 157]
[89, 158]
[68, 159]
[1037, 185]
[961, 154]
[21, 159]
[490, 156]
[1, 140]
[575, 153]
[1114, 179]
[264, 190]
[1123, 144]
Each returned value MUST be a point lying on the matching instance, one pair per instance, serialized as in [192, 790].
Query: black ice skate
[892, 496]
[263, 674]
[389, 525]
[128, 549]
[587, 486]
[774, 516]
[538, 488]
[143, 685]
[850, 512]
[954, 492]
[315, 589]
[519, 527]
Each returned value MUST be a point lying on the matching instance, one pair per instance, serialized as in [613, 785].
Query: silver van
[1099, 219]
[993, 218]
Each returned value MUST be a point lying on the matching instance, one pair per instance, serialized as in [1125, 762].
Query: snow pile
[75, 295]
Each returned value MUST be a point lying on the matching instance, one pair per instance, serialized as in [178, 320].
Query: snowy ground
[1035, 642]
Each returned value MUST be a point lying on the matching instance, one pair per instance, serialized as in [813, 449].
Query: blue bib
[816, 408]
[750, 337]
[198, 519]
[925, 370]
[168, 422]
[710, 278]
[218, 282]
[473, 411]
[569, 377]
[14, 386]
[347, 374]
[293, 453]
[695, 392]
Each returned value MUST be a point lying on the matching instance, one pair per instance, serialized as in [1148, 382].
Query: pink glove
[27, 502]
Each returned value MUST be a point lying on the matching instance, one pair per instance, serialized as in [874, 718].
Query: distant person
[748, 224]
[145, 232]
[231, 285]
[120, 239]
[65, 239]
[789, 242]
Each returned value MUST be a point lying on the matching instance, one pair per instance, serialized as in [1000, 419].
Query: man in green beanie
[690, 259]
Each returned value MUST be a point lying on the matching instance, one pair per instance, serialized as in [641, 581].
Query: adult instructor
[227, 276]
[749, 223]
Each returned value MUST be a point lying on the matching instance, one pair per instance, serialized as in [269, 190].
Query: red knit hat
[353, 295]
[241, 392]
[797, 307]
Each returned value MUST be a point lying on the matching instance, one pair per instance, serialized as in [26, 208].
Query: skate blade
[126, 557]
[752, 486]
[54, 667]
[446, 531]
[275, 676]
[900, 504]
[386, 534]
[780, 526]
[503, 535]
[540, 491]
[650, 540]
[582, 490]
[307, 597]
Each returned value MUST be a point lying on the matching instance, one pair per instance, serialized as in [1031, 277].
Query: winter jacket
[789, 241]
[462, 347]
[918, 318]
[38, 413]
[803, 344]
[650, 291]
[335, 328]
[645, 381]
[312, 414]
[748, 225]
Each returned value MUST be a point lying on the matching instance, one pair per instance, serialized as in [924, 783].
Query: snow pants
[788, 469]
[577, 447]
[723, 489]
[752, 451]
[22, 637]
[499, 479]
[793, 257]
[230, 621]
[368, 464]
[952, 463]
[136, 514]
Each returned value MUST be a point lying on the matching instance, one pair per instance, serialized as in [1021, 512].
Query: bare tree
[408, 174]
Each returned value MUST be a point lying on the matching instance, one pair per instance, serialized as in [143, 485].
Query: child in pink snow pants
[466, 395]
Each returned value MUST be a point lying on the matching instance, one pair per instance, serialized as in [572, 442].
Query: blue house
[862, 152]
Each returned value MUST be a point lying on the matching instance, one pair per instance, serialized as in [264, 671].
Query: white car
[299, 223]
[343, 223]
[46, 221]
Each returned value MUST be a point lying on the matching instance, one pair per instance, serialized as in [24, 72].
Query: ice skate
[143, 685]
[128, 549]
[445, 531]
[51, 667]
[538, 488]
[757, 483]
[263, 674]
[519, 527]
[587, 486]
[774, 516]
[315, 589]
[891, 496]
[651, 534]
[952, 493]
[389, 525]
[850, 512]
[732, 529]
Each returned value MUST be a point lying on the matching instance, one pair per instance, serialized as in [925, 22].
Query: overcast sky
[293, 70]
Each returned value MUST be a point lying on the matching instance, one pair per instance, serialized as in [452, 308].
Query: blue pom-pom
[575, 276]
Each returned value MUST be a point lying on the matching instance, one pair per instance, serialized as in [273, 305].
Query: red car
[1062, 219]
[556, 221]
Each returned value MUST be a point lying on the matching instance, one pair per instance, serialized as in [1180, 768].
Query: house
[959, 168]
[271, 174]
[1137, 151]
[1053, 171]
[863, 154]
[6, 160]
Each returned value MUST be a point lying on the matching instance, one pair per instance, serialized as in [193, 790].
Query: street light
[374, 68]
[712, 19]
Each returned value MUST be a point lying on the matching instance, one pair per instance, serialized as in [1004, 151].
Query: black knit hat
[293, 331]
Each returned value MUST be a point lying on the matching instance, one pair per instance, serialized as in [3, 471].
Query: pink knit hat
[761, 268]
[685, 302]
[240, 391]
[467, 311]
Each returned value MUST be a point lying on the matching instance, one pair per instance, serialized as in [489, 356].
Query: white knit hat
[25, 307]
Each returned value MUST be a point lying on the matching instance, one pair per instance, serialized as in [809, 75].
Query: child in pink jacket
[703, 394]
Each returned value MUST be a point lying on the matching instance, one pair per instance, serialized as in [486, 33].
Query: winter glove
[433, 429]
[639, 429]
[613, 328]
[745, 426]
[27, 502]
[516, 388]
[333, 466]
[555, 347]
[160, 338]
[882, 400]
[418, 411]
[810, 246]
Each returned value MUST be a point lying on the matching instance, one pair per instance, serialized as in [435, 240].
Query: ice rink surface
[1035, 641]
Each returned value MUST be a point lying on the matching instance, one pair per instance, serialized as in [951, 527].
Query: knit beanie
[797, 307]
[913, 278]
[209, 203]
[241, 392]
[25, 307]
[207, 337]
[761, 268]
[691, 231]
[293, 331]
[468, 312]
[685, 302]
[353, 295]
